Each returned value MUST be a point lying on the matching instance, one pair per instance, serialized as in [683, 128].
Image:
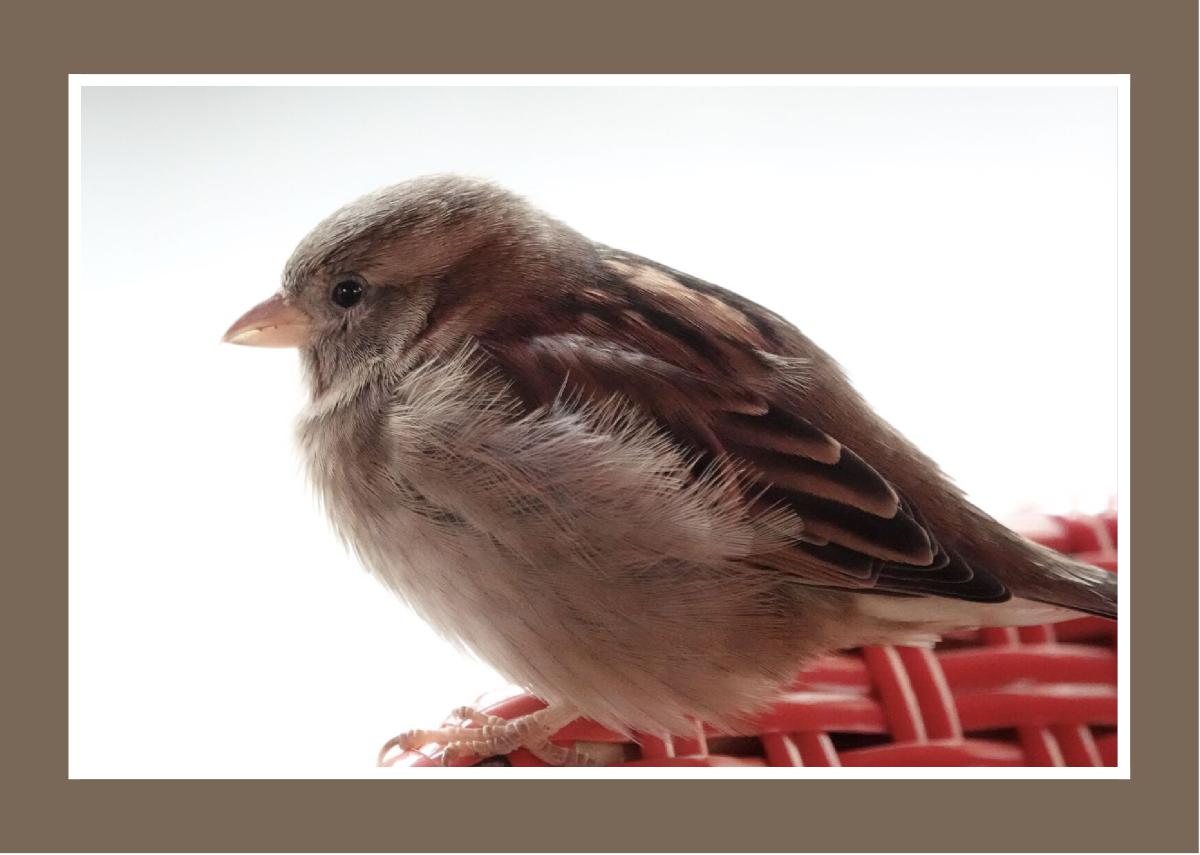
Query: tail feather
[1046, 587]
[1065, 582]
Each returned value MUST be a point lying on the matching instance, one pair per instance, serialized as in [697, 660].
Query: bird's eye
[347, 293]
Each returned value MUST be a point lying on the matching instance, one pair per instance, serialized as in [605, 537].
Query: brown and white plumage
[629, 490]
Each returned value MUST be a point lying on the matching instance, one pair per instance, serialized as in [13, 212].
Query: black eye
[346, 293]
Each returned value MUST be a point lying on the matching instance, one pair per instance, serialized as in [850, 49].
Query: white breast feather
[561, 546]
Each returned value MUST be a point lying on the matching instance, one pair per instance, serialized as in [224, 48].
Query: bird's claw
[483, 735]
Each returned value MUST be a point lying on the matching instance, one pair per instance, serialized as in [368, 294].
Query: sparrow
[642, 497]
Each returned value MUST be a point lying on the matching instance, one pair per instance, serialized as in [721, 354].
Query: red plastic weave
[1035, 696]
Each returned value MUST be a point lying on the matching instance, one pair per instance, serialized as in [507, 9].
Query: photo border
[1154, 42]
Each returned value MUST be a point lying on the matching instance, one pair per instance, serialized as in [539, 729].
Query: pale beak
[272, 323]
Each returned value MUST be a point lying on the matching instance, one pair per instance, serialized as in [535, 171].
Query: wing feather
[666, 350]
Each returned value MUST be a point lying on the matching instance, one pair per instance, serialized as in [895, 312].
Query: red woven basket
[1035, 696]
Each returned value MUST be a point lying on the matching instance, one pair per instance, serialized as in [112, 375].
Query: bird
[644, 498]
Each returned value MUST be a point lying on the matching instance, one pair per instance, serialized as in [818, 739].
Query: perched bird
[644, 498]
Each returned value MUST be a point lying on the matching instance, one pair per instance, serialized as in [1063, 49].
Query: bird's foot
[483, 735]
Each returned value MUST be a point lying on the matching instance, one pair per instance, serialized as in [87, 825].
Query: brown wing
[696, 364]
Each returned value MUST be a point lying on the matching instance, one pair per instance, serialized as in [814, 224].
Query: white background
[954, 247]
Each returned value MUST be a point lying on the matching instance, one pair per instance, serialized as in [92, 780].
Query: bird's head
[363, 286]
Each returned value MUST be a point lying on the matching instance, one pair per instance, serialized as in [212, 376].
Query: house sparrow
[641, 496]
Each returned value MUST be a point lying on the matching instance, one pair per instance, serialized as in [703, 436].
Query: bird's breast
[571, 549]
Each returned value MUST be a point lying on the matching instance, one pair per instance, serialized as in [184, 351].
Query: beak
[272, 323]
